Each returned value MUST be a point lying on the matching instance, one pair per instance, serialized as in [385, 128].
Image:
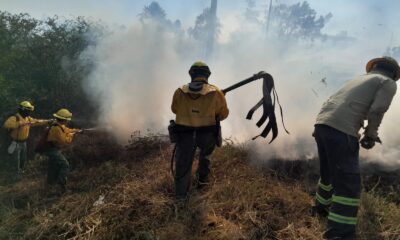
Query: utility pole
[209, 47]
[268, 17]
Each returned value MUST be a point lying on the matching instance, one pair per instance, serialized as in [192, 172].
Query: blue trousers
[339, 186]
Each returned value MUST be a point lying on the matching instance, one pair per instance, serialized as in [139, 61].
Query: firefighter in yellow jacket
[199, 106]
[18, 127]
[59, 136]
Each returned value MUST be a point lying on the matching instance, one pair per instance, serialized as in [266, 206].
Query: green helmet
[199, 69]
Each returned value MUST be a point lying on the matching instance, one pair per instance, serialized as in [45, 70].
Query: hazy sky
[358, 17]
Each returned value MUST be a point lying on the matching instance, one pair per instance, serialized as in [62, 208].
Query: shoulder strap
[58, 125]
[17, 117]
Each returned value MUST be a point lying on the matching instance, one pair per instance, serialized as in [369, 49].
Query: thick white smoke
[138, 68]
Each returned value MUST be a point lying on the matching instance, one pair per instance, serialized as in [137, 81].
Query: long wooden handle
[255, 77]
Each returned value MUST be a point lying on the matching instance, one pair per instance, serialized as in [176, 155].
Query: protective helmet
[25, 105]
[199, 69]
[63, 114]
[385, 59]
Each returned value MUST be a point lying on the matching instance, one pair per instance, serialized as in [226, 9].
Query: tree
[154, 12]
[298, 21]
[206, 28]
[252, 13]
[40, 61]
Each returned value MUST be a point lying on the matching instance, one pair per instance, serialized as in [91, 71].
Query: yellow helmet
[199, 69]
[63, 114]
[199, 64]
[26, 105]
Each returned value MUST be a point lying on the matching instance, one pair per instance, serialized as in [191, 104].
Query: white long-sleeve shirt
[366, 97]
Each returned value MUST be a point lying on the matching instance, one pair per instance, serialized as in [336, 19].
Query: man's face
[24, 112]
[62, 121]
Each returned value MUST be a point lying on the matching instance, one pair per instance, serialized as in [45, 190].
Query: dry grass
[379, 219]
[241, 202]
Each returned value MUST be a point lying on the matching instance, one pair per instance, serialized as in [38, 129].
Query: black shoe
[63, 189]
[319, 211]
[334, 235]
[201, 182]
[201, 185]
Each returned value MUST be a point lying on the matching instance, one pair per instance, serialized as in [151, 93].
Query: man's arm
[11, 123]
[380, 105]
[174, 105]
[222, 110]
[39, 122]
[62, 137]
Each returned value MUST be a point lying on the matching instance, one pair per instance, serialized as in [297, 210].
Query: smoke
[138, 68]
[135, 73]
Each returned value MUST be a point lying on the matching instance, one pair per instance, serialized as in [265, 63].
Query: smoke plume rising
[138, 68]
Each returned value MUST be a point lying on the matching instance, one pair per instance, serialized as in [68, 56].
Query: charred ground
[126, 192]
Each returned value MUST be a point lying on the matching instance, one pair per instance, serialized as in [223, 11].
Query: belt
[182, 128]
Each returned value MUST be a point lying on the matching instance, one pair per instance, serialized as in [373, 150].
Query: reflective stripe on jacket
[366, 97]
[199, 109]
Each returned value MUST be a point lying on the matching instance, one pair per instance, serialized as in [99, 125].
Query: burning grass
[128, 194]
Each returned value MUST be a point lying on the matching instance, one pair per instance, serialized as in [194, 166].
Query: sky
[360, 17]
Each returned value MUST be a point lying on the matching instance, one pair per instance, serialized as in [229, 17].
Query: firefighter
[199, 106]
[366, 97]
[18, 127]
[59, 136]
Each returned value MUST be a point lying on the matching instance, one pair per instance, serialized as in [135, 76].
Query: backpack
[42, 145]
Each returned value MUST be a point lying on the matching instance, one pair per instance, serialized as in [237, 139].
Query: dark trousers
[340, 183]
[58, 167]
[186, 147]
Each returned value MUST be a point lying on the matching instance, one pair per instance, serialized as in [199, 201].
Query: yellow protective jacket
[60, 135]
[199, 109]
[19, 126]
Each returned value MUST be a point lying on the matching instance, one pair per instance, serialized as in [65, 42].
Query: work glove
[78, 131]
[368, 142]
[51, 121]
[75, 131]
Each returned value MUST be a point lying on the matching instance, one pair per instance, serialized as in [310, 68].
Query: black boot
[201, 182]
[319, 211]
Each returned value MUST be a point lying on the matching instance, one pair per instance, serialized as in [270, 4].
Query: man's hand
[368, 142]
[78, 131]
